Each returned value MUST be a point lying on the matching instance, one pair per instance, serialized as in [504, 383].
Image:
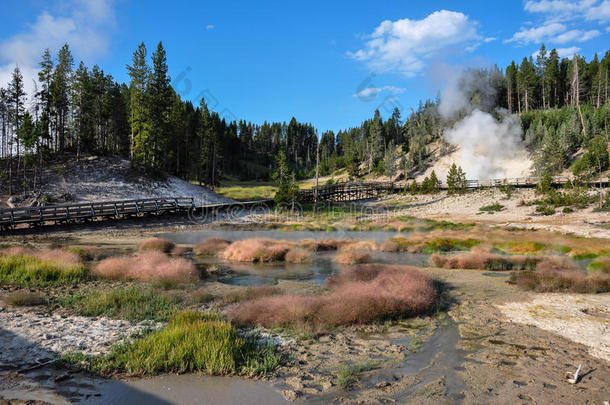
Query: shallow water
[187, 389]
[256, 274]
[198, 236]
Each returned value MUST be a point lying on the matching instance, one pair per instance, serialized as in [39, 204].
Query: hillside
[94, 178]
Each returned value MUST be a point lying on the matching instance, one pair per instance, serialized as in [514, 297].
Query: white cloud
[537, 34]
[209, 27]
[490, 39]
[405, 45]
[371, 92]
[567, 52]
[575, 36]
[600, 13]
[84, 27]
[559, 10]
[563, 21]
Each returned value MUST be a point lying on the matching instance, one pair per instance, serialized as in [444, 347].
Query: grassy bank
[191, 342]
[41, 269]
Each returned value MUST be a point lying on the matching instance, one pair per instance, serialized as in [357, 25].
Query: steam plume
[489, 148]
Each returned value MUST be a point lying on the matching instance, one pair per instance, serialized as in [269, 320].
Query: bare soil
[466, 208]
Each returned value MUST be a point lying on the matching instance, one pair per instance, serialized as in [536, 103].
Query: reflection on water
[198, 236]
[256, 274]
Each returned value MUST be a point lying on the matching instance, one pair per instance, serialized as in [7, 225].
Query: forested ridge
[563, 104]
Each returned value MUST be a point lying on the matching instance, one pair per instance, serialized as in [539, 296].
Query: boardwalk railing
[359, 191]
[12, 217]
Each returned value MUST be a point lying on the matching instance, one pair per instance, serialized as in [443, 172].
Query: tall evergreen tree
[139, 72]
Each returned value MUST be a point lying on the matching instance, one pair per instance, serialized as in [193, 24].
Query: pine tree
[158, 107]
[60, 94]
[456, 180]
[287, 191]
[139, 72]
[45, 77]
[16, 103]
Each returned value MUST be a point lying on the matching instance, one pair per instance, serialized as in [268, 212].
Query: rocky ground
[96, 178]
[465, 208]
[30, 337]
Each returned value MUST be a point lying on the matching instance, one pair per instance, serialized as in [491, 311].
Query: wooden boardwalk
[12, 218]
[341, 192]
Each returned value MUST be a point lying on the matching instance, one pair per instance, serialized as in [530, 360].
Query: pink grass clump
[147, 266]
[51, 255]
[156, 244]
[298, 255]
[552, 275]
[359, 294]
[258, 250]
[211, 247]
[352, 257]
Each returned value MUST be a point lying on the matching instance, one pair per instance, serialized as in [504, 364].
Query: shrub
[486, 261]
[191, 342]
[131, 303]
[545, 210]
[495, 207]
[156, 244]
[350, 256]
[551, 276]
[211, 247]
[359, 294]
[147, 266]
[23, 298]
[40, 268]
[298, 255]
[601, 265]
[86, 253]
[257, 250]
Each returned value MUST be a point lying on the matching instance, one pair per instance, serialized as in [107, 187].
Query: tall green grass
[29, 270]
[191, 342]
[131, 303]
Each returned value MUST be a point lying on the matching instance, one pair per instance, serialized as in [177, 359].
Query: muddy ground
[469, 352]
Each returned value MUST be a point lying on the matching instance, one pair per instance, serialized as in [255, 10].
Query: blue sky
[330, 63]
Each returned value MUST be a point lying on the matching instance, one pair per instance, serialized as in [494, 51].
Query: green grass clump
[602, 266]
[28, 270]
[585, 256]
[526, 247]
[431, 224]
[449, 245]
[131, 303]
[350, 374]
[191, 342]
[495, 207]
[22, 298]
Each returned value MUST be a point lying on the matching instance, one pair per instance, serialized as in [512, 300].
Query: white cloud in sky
[405, 45]
[84, 27]
[209, 27]
[567, 52]
[599, 13]
[563, 21]
[373, 91]
[537, 34]
[490, 39]
[559, 10]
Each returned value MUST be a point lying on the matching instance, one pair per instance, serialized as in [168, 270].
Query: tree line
[563, 104]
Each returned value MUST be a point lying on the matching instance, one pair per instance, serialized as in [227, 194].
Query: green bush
[495, 207]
